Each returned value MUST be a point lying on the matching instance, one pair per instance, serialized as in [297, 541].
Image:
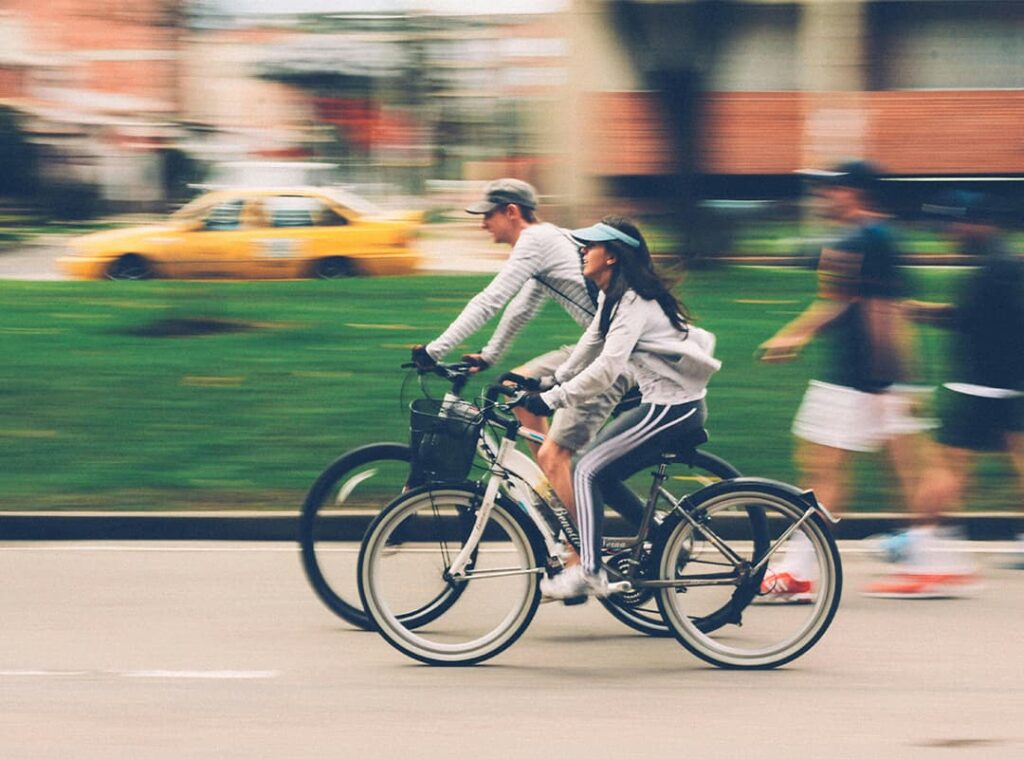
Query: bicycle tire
[382, 592]
[783, 506]
[649, 621]
[334, 583]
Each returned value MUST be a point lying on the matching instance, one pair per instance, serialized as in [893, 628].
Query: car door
[211, 248]
[327, 232]
[281, 249]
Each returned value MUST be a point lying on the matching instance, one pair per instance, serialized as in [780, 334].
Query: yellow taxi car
[255, 234]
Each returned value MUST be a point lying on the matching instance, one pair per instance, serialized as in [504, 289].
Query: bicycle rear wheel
[497, 600]
[339, 507]
[639, 609]
[724, 566]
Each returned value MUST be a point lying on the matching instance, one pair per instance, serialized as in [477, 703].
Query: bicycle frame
[522, 477]
[526, 476]
[506, 466]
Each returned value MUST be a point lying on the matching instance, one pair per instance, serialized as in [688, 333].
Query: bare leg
[556, 462]
[534, 422]
[942, 483]
[907, 456]
[824, 469]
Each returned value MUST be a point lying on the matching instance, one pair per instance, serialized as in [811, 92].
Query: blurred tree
[673, 48]
[19, 160]
[178, 172]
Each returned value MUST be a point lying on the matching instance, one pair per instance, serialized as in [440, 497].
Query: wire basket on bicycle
[443, 437]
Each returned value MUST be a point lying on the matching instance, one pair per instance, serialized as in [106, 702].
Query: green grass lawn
[99, 411]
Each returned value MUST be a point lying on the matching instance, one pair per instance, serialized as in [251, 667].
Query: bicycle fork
[458, 570]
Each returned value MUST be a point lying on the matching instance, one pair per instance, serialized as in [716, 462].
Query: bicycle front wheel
[340, 505]
[497, 599]
[723, 570]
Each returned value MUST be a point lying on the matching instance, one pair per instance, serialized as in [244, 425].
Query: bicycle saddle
[686, 444]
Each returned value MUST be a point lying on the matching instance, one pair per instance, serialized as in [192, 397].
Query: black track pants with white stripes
[636, 438]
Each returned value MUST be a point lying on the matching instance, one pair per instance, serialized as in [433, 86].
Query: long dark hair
[634, 270]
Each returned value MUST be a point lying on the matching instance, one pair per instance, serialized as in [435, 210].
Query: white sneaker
[936, 551]
[573, 585]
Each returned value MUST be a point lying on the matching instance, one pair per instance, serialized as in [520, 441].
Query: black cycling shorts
[976, 422]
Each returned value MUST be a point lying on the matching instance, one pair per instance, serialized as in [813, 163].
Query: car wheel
[334, 268]
[130, 266]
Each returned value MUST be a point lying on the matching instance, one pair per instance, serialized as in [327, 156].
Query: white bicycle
[449, 573]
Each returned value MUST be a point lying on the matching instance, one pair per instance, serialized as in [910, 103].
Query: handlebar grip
[493, 391]
[521, 382]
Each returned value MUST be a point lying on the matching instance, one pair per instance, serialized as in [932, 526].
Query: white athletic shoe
[573, 585]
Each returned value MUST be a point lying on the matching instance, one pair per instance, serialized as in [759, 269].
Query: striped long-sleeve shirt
[544, 263]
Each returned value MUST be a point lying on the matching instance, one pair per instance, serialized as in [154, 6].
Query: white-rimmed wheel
[498, 598]
[724, 570]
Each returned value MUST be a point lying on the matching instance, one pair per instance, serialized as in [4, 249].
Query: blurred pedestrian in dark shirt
[982, 406]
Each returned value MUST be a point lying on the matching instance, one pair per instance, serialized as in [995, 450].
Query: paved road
[220, 650]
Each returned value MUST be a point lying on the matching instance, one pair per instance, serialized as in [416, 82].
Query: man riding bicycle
[544, 264]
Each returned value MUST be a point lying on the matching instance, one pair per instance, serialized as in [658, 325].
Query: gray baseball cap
[502, 192]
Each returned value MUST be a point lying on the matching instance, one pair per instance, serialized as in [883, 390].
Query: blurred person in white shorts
[856, 405]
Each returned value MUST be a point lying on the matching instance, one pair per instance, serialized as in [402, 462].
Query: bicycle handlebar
[510, 385]
[457, 374]
[515, 393]
[493, 391]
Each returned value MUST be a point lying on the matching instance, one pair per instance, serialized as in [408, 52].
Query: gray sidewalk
[284, 525]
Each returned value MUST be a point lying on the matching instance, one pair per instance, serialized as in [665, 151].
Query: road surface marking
[201, 674]
[178, 674]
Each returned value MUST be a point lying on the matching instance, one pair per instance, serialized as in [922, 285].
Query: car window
[224, 216]
[255, 215]
[350, 200]
[194, 209]
[301, 211]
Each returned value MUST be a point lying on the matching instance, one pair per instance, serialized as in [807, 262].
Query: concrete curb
[284, 526]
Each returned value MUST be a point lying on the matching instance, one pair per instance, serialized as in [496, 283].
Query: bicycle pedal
[615, 588]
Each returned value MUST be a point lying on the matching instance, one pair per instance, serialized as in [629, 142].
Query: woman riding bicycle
[642, 328]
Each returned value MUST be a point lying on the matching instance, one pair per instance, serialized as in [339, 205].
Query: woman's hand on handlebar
[530, 401]
[533, 384]
[533, 403]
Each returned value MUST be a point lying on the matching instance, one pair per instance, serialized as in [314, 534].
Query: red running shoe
[925, 585]
[784, 588]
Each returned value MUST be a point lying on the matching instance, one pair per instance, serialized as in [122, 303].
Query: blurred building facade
[596, 98]
[98, 84]
[926, 88]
